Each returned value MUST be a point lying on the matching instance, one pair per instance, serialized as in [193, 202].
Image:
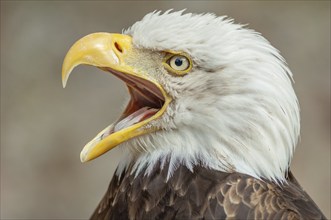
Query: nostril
[118, 47]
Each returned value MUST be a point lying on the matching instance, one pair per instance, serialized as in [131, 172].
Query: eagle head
[203, 90]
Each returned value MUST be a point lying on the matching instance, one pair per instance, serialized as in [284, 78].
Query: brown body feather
[203, 194]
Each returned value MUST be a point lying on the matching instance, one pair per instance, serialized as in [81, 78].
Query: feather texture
[203, 194]
[235, 105]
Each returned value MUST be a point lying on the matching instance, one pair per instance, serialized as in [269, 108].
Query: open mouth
[145, 102]
[148, 100]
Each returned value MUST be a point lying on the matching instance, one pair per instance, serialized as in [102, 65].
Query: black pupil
[178, 62]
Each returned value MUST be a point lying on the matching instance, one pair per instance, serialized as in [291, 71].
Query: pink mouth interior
[137, 116]
[146, 100]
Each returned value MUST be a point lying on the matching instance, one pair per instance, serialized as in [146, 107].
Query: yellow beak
[98, 49]
[108, 51]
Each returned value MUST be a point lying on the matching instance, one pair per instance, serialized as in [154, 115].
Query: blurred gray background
[44, 127]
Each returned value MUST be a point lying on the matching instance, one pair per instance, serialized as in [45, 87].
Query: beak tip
[65, 77]
[83, 156]
[64, 84]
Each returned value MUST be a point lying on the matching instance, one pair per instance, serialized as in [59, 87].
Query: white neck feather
[235, 112]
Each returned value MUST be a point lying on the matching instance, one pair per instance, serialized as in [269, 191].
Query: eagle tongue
[135, 117]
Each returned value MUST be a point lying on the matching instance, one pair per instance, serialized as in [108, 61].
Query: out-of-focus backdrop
[44, 127]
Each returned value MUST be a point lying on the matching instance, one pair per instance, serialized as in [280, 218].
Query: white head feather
[236, 111]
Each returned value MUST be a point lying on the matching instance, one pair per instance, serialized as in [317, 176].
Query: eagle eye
[180, 64]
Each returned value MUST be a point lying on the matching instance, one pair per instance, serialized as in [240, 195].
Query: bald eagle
[211, 125]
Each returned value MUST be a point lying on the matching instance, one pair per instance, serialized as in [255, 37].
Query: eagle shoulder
[203, 194]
